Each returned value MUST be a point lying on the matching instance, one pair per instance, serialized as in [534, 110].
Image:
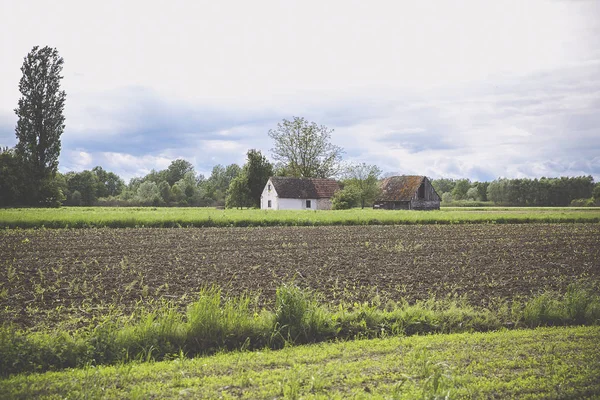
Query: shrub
[346, 198]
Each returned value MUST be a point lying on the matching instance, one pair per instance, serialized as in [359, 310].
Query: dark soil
[52, 276]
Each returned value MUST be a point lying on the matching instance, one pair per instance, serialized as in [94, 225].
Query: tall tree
[177, 169]
[40, 114]
[11, 178]
[238, 193]
[257, 170]
[304, 150]
[365, 179]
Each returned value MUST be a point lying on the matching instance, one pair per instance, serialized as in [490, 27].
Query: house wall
[296, 204]
[323, 204]
[269, 195]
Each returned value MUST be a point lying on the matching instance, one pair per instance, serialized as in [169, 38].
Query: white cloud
[463, 87]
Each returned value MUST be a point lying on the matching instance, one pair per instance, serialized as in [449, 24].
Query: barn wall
[393, 205]
[430, 194]
[424, 205]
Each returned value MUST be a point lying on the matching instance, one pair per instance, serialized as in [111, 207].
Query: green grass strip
[213, 324]
[120, 217]
[554, 362]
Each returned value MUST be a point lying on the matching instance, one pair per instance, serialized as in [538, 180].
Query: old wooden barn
[407, 192]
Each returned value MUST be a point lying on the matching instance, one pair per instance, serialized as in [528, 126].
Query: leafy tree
[86, 183]
[177, 169]
[11, 178]
[497, 191]
[365, 178]
[472, 194]
[51, 191]
[109, 183]
[460, 189]
[238, 193]
[304, 149]
[443, 185]
[215, 187]
[257, 172]
[188, 190]
[596, 192]
[165, 191]
[447, 198]
[481, 190]
[346, 198]
[148, 193]
[40, 116]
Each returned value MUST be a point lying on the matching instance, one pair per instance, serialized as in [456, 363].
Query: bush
[584, 202]
[298, 317]
[345, 199]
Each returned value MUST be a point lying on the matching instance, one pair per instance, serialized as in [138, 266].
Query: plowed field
[49, 276]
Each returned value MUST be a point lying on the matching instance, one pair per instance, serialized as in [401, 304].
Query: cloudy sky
[476, 89]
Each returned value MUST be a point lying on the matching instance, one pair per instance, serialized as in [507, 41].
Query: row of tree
[553, 192]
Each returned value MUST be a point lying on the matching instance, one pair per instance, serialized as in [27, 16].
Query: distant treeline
[180, 185]
[177, 185]
[543, 192]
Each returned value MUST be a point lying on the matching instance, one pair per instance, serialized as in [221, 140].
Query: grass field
[524, 364]
[115, 217]
[134, 297]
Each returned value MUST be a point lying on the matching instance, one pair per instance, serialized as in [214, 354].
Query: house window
[308, 204]
[422, 191]
[269, 203]
[269, 188]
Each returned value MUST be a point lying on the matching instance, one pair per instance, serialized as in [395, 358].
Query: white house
[282, 193]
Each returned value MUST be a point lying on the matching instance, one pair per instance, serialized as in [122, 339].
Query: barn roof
[400, 188]
[304, 188]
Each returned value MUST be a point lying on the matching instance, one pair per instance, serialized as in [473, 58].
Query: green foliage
[543, 192]
[365, 179]
[346, 198]
[257, 170]
[177, 170]
[212, 324]
[596, 192]
[304, 150]
[540, 363]
[12, 177]
[109, 183]
[148, 193]
[40, 116]
[215, 187]
[238, 193]
[51, 192]
[443, 185]
[86, 184]
[472, 194]
[461, 187]
[299, 318]
[447, 198]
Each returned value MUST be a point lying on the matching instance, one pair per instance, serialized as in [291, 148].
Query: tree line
[543, 192]
[29, 172]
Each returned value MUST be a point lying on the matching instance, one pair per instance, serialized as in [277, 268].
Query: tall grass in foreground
[213, 324]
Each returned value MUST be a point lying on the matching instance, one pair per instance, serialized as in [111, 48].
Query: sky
[457, 89]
